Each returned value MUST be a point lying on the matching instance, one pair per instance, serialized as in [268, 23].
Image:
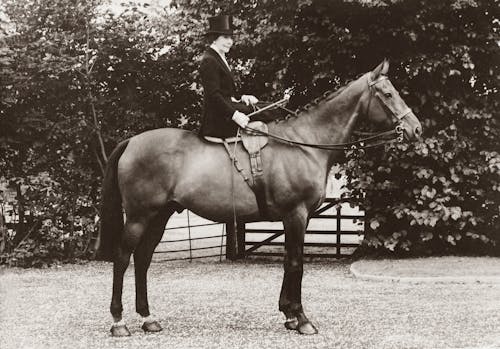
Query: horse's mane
[326, 96]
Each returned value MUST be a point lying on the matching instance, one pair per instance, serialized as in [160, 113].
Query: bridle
[370, 141]
[397, 117]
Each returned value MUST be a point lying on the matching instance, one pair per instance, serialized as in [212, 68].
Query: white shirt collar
[213, 47]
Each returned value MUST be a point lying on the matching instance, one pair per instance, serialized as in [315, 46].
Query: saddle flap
[221, 140]
[252, 141]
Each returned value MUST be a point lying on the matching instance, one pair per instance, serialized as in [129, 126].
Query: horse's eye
[388, 94]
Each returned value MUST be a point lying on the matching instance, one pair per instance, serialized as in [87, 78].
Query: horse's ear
[385, 67]
[381, 69]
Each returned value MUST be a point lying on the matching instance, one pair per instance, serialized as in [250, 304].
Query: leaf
[426, 236]
[450, 239]
[456, 213]
[374, 224]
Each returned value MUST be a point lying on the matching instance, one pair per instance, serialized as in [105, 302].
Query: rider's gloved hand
[240, 118]
[249, 99]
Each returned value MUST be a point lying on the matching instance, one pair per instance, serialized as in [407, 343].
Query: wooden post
[231, 242]
[20, 226]
[3, 233]
[240, 236]
[235, 241]
[339, 229]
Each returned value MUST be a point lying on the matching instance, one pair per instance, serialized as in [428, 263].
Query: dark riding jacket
[218, 88]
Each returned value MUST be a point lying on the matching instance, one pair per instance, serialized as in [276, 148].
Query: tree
[78, 80]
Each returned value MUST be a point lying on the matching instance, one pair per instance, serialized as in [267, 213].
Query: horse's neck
[333, 121]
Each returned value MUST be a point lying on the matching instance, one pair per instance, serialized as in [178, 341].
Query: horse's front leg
[290, 302]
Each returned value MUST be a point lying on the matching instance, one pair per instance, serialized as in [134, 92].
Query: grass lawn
[211, 304]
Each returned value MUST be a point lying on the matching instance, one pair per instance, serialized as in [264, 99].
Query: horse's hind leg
[142, 259]
[132, 234]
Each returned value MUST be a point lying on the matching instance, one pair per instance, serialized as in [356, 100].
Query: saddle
[253, 142]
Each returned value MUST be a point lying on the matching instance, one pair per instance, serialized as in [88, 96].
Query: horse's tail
[111, 208]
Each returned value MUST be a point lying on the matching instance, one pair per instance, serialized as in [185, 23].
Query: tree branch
[101, 165]
[88, 72]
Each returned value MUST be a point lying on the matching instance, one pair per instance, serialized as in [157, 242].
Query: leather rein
[370, 141]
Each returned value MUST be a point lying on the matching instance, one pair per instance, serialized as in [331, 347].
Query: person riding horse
[222, 112]
[154, 174]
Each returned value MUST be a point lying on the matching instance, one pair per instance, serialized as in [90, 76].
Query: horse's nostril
[418, 131]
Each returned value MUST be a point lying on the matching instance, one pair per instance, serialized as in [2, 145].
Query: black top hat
[222, 24]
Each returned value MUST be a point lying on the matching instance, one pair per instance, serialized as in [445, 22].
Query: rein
[357, 144]
[378, 138]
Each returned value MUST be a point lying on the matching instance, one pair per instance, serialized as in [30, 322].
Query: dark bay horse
[154, 174]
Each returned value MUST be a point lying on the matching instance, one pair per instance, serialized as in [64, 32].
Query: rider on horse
[222, 112]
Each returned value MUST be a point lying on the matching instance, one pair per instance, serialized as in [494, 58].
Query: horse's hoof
[291, 324]
[307, 328]
[151, 326]
[120, 331]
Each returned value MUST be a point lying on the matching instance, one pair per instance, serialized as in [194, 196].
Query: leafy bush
[440, 195]
[77, 79]
[55, 228]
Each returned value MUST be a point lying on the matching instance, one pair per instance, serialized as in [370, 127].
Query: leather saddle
[253, 142]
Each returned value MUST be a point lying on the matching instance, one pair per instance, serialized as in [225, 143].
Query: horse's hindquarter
[144, 181]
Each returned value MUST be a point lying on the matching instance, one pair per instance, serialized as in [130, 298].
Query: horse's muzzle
[412, 127]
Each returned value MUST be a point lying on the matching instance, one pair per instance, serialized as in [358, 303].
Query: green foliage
[77, 78]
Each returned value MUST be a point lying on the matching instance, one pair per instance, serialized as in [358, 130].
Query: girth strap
[234, 160]
[256, 181]
[258, 184]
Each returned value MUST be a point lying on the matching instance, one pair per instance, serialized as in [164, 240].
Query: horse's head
[384, 106]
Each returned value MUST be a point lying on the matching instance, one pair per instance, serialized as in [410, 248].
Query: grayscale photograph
[247, 174]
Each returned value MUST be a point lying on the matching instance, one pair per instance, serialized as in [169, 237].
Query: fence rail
[248, 248]
[242, 243]
[183, 247]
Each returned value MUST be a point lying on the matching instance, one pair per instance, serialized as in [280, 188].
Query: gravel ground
[207, 304]
[434, 267]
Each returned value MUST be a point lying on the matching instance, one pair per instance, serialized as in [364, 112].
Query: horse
[151, 175]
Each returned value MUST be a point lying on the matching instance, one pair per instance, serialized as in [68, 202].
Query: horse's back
[152, 144]
[162, 138]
